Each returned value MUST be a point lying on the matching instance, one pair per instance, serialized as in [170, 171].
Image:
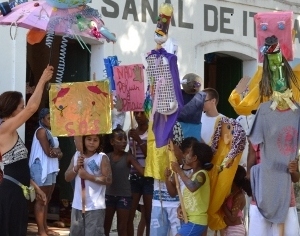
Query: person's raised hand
[47, 74]
[242, 85]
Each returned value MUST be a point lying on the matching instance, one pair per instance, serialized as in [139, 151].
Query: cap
[191, 83]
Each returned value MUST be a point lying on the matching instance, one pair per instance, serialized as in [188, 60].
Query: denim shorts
[191, 229]
[118, 202]
[36, 174]
[142, 185]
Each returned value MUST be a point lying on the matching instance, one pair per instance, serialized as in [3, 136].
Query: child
[118, 195]
[94, 168]
[235, 203]
[170, 207]
[196, 192]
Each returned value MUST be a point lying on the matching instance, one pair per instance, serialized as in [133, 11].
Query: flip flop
[52, 233]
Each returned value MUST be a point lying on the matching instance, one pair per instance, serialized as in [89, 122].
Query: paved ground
[32, 229]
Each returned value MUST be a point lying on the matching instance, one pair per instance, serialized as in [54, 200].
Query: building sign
[222, 19]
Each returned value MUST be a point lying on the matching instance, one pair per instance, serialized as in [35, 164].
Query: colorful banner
[80, 108]
[129, 81]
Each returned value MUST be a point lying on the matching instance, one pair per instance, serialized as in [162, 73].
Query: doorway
[222, 72]
[77, 69]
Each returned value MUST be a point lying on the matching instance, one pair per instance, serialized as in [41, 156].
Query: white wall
[136, 37]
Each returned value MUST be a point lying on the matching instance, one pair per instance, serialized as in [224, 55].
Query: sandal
[52, 233]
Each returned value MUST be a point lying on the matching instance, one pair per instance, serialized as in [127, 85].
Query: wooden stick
[133, 142]
[173, 158]
[281, 229]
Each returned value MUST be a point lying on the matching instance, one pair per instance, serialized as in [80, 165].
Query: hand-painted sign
[81, 108]
[129, 82]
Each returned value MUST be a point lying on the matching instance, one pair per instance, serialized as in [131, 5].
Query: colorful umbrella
[82, 21]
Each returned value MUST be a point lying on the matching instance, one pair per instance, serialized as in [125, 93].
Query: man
[210, 114]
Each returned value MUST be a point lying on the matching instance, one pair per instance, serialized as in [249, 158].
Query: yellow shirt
[196, 203]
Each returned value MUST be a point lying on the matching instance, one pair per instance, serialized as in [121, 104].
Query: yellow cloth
[244, 106]
[157, 158]
[220, 186]
[220, 182]
[196, 203]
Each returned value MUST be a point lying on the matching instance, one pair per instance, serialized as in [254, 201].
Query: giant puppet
[274, 93]
[268, 24]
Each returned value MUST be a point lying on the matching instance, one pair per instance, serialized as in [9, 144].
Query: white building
[221, 31]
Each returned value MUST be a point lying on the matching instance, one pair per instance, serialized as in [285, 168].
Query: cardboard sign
[81, 108]
[129, 81]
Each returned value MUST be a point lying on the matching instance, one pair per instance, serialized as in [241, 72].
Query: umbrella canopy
[82, 21]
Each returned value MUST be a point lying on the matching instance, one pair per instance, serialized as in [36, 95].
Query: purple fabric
[162, 127]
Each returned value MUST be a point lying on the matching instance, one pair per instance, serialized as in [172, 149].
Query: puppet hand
[119, 104]
[138, 74]
[242, 85]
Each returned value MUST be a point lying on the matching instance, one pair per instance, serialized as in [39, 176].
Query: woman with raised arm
[14, 188]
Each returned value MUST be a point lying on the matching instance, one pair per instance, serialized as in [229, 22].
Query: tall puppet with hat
[276, 129]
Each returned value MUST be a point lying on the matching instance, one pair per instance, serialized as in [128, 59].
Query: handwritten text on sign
[129, 82]
[81, 108]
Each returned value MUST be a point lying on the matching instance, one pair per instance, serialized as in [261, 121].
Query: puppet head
[277, 74]
[232, 134]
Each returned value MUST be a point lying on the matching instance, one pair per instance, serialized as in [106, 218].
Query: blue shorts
[36, 174]
[141, 184]
[191, 229]
[118, 202]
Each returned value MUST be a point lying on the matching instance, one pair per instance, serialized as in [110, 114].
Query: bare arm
[192, 185]
[293, 169]
[12, 124]
[39, 193]
[71, 173]
[78, 143]
[132, 161]
[238, 204]
[42, 137]
[251, 159]
[106, 177]
[170, 183]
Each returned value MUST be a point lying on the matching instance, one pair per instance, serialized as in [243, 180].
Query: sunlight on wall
[130, 42]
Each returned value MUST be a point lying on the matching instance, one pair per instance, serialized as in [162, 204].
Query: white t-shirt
[208, 127]
[95, 193]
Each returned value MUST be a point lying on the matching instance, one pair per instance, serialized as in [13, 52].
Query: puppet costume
[227, 143]
[270, 180]
[280, 25]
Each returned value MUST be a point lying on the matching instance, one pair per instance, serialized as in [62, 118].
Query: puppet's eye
[281, 25]
[228, 126]
[264, 26]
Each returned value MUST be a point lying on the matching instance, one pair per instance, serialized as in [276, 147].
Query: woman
[43, 163]
[13, 114]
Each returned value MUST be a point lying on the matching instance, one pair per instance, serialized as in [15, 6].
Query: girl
[140, 186]
[196, 192]
[43, 162]
[13, 114]
[235, 203]
[118, 195]
[94, 168]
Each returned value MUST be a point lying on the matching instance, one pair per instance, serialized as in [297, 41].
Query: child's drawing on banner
[81, 108]
[129, 82]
